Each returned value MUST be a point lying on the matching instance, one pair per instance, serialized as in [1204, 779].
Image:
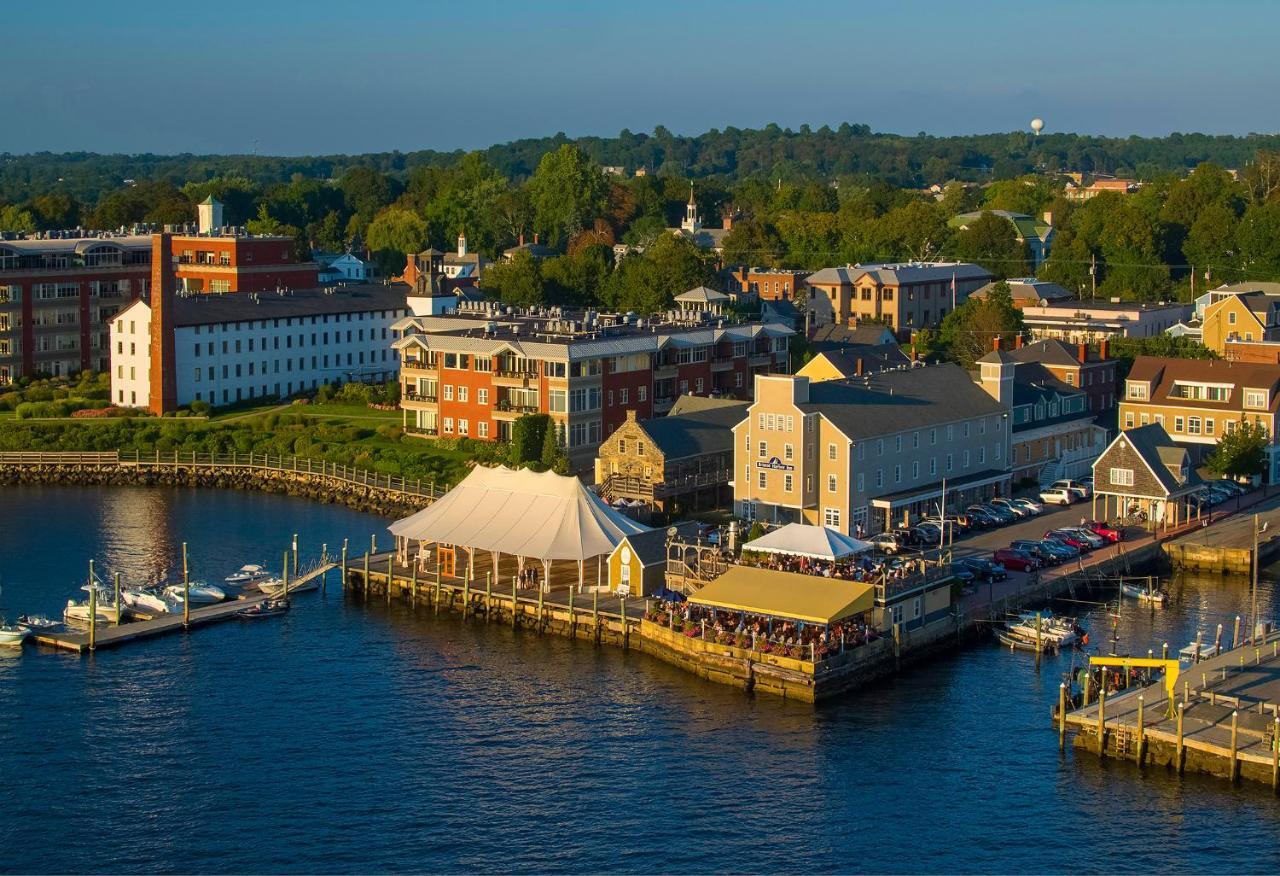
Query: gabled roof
[701, 295]
[695, 433]
[1158, 451]
[807, 598]
[692, 404]
[896, 401]
[1052, 351]
[997, 357]
[1028, 289]
[874, 358]
[651, 547]
[893, 274]
[834, 336]
[1164, 373]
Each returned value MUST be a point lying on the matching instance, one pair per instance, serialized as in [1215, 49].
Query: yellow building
[1248, 316]
[853, 361]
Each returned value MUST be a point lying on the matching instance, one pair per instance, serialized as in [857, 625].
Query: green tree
[15, 218]
[647, 283]
[992, 241]
[1241, 453]
[528, 434]
[567, 192]
[393, 233]
[918, 231]
[969, 331]
[1258, 241]
[553, 457]
[577, 279]
[1211, 242]
[752, 242]
[517, 282]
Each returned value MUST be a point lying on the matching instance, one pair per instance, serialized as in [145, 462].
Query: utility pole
[1253, 588]
[1093, 275]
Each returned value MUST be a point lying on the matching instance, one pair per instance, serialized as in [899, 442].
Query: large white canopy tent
[803, 540]
[529, 515]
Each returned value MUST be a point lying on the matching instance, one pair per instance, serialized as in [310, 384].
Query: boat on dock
[1152, 594]
[1189, 653]
[276, 585]
[151, 600]
[12, 634]
[1017, 643]
[201, 593]
[247, 577]
[1062, 632]
[38, 623]
[77, 613]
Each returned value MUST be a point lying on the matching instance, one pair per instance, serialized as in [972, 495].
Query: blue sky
[321, 77]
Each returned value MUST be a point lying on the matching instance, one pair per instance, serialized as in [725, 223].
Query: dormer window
[1255, 398]
[1137, 390]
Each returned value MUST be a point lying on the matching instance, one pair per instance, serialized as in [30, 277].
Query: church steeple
[691, 222]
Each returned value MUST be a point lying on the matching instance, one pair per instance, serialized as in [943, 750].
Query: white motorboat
[78, 613]
[12, 634]
[1144, 594]
[201, 593]
[38, 622]
[276, 585]
[1206, 650]
[1061, 632]
[248, 576]
[150, 600]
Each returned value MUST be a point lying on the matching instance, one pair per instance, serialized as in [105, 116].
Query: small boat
[151, 600]
[77, 613]
[12, 634]
[247, 576]
[201, 593]
[1153, 595]
[1061, 631]
[38, 623]
[1016, 643]
[1207, 650]
[266, 608]
[275, 585]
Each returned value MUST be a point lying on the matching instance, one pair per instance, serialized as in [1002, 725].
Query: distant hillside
[732, 154]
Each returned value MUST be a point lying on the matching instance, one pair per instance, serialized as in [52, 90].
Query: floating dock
[114, 635]
[1223, 719]
[1227, 546]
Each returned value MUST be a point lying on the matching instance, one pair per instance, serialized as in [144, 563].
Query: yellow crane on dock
[1171, 670]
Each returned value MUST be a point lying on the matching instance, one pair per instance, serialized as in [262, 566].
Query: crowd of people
[863, 567]
[786, 638]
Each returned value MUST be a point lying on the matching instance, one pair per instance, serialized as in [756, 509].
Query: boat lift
[1171, 668]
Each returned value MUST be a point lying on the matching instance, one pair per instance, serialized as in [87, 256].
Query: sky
[321, 77]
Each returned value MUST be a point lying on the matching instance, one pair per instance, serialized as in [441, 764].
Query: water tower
[1037, 125]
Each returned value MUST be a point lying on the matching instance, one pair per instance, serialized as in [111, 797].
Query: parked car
[1235, 486]
[886, 542]
[1110, 533]
[1003, 516]
[1018, 561]
[1047, 555]
[1077, 487]
[1066, 536]
[927, 533]
[979, 516]
[907, 536]
[1057, 496]
[1011, 506]
[1061, 548]
[947, 525]
[1090, 537]
[1030, 504]
[982, 568]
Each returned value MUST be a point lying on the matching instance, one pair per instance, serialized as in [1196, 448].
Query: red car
[1017, 561]
[1067, 538]
[1110, 533]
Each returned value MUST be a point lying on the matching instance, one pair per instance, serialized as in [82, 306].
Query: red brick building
[770, 284]
[58, 290]
[1086, 368]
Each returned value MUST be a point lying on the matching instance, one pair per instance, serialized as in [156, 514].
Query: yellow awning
[808, 598]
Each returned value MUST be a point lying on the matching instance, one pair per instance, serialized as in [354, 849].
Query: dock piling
[1141, 728]
[1235, 634]
[186, 590]
[515, 599]
[285, 590]
[116, 579]
[1235, 727]
[1102, 721]
[390, 574]
[1062, 716]
[344, 563]
[1275, 755]
[1181, 750]
[93, 611]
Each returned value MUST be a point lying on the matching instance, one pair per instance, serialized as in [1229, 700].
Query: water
[353, 737]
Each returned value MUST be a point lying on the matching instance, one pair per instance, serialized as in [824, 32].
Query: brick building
[473, 372]
[768, 284]
[1087, 368]
[904, 297]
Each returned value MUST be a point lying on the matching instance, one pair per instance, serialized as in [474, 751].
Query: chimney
[535, 238]
[1048, 217]
[162, 376]
[915, 356]
[1103, 348]
[1017, 342]
[1082, 353]
[727, 222]
[521, 243]
[995, 344]
[857, 366]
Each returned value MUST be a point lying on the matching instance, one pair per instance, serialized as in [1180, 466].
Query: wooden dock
[1224, 718]
[111, 635]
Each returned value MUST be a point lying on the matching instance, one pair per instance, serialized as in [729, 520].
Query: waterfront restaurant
[532, 516]
[1145, 476]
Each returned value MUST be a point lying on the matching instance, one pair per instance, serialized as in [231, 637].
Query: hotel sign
[775, 464]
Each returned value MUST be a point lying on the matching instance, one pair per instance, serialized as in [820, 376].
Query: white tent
[802, 540]
[544, 515]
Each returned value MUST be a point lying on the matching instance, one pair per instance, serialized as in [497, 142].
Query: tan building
[1086, 322]
[684, 458]
[853, 361]
[1245, 317]
[868, 453]
[1197, 401]
[904, 297]
[1144, 473]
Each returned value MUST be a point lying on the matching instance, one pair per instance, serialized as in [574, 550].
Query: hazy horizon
[289, 80]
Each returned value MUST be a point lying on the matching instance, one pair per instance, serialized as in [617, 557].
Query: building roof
[895, 274]
[1051, 351]
[1027, 226]
[1159, 451]
[701, 295]
[651, 547]
[211, 308]
[997, 357]
[692, 404]
[1028, 289]
[1250, 286]
[1165, 373]
[835, 336]
[1072, 306]
[807, 540]
[897, 401]
[695, 433]
[807, 598]
[874, 358]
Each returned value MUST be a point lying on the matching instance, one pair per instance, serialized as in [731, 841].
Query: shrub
[200, 408]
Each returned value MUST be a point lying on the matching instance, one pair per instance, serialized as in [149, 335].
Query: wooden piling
[390, 574]
[1062, 716]
[93, 610]
[413, 581]
[1235, 634]
[284, 591]
[1181, 748]
[366, 574]
[1102, 721]
[626, 635]
[1141, 728]
[1235, 728]
[186, 590]
[515, 600]
[466, 593]
[1275, 755]
[116, 579]
[344, 563]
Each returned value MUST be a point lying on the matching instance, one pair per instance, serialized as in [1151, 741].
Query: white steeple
[691, 222]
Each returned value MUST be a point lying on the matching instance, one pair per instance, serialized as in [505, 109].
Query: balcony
[665, 370]
[761, 359]
[502, 377]
[662, 403]
[421, 431]
[418, 399]
[723, 363]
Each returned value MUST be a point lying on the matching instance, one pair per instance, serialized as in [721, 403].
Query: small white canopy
[802, 540]
[522, 513]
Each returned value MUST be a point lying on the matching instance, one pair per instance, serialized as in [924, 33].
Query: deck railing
[245, 461]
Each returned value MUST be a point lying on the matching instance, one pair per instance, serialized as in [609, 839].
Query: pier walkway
[113, 635]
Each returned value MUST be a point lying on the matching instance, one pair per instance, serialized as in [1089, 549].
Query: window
[786, 483]
[462, 396]
[463, 427]
[482, 396]
[764, 480]
[1128, 419]
[643, 391]
[1177, 424]
[879, 477]
[1208, 425]
[862, 482]
[832, 485]
[897, 474]
[788, 452]
[831, 451]
[831, 517]
[764, 449]
[1122, 477]
[448, 392]
[915, 470]
[1193, 425]
[448, 425]
[1255, 399]
[1137, 390]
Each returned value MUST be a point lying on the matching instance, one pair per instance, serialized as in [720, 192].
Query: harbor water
[348, 736]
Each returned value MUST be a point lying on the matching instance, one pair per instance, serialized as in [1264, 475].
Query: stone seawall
[306, 485]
